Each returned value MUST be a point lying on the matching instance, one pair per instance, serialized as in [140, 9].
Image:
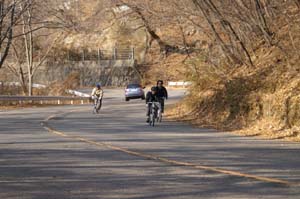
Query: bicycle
[97, 104]
[155, 113]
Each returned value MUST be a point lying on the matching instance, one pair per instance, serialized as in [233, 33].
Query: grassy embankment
[263, 100]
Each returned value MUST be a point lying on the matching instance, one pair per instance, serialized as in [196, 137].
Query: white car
[134, 91]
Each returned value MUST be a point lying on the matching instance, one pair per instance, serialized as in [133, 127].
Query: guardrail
[73, 92]
[7, 100]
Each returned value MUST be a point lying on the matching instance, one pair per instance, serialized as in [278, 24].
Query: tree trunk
[224, 48]
[229, 29]
[297, 3]
[152, 33]
[22, 80]
[28, 42]
[241, 44]
[10, 35]
[29, 85]
[263, 23]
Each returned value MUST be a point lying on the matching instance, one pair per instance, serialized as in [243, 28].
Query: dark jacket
[162, 92]
[151, 98]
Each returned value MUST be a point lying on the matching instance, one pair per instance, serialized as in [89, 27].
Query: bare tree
[157, 15]
[10, 14]
[35, 36]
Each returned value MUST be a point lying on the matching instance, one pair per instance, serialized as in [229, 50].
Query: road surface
[67, 152]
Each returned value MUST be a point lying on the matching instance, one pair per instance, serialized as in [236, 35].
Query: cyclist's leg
[156, 110]
[159, 107]
[94, 104]
[159, 111]
[162, 104]
[95, 101]
[100, 104]
[148, 112]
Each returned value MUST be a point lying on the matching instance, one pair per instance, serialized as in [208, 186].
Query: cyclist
[97, 94]
[151, 96]
[162, 94]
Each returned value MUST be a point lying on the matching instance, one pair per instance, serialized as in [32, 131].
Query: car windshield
[133, 86]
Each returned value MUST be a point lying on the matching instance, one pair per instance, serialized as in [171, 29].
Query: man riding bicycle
[151, 97]
[97, 94]
[162, 94]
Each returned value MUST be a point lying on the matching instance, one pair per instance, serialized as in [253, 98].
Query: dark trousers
[148, 110]
[100, 102]
[162, 103]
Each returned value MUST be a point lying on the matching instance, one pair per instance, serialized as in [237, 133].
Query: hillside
[255, 101]
[99, 26]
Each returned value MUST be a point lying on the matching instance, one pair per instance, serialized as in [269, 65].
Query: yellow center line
[165, 160]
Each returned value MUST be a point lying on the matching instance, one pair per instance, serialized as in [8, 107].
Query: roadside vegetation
[252, 89]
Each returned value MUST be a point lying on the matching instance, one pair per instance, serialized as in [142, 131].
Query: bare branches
[30, 47]
[227, 31]
[7, 35]
[9, 16]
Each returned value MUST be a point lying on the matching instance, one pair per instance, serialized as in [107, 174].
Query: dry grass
[55, 89]
[263, 101]
[10, 90]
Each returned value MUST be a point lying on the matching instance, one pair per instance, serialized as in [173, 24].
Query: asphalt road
[67, 152]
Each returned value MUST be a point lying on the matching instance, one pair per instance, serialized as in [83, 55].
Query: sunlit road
[75, 154]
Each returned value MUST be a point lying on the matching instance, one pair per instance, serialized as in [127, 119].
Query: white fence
[77, 93]
[179, 84]
[18, 84]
